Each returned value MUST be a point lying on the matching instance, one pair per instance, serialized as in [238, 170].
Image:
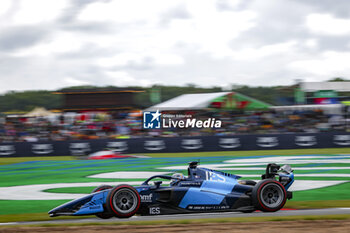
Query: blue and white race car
[203, 190]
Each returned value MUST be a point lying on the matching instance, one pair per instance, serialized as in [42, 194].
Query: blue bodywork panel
[291, 177]
[95, 205]
[210, 193]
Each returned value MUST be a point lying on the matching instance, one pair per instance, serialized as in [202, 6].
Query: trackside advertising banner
[178, 144]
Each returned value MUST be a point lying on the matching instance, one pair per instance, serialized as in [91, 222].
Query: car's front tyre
[123, 201]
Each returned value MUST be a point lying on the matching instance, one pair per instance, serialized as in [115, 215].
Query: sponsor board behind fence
[177, 144]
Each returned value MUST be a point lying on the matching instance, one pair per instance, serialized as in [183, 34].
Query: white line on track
[8, 223]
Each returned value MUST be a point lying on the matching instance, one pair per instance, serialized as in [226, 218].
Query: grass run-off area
[27, 171]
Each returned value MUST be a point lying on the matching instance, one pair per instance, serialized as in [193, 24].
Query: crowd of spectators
[129, 125]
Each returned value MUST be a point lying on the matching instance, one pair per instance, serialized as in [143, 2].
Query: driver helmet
[176, 178]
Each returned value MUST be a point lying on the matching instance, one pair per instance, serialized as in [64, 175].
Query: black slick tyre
[123, 201]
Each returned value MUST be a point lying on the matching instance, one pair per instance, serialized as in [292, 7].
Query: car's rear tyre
[106, 214]
[123, 201]
[269, 195]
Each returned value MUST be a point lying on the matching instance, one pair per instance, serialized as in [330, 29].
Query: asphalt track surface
[331, 211]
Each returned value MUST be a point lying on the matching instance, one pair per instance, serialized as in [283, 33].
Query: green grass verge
[25, 207]
[34, 217]
[5, 161]
[317, 204]
[332, 193]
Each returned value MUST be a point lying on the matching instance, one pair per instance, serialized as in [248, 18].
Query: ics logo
[151, 120]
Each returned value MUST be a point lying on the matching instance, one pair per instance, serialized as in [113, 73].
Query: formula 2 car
[204, 190]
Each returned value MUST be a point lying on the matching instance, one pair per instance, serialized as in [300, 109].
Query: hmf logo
[146, 198]
[151, 120]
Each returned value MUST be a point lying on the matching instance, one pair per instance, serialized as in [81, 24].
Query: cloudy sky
[53, 44]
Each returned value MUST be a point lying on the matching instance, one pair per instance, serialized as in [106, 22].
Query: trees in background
[24, 101]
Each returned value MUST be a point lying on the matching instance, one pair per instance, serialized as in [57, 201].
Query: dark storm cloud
[22, 36]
